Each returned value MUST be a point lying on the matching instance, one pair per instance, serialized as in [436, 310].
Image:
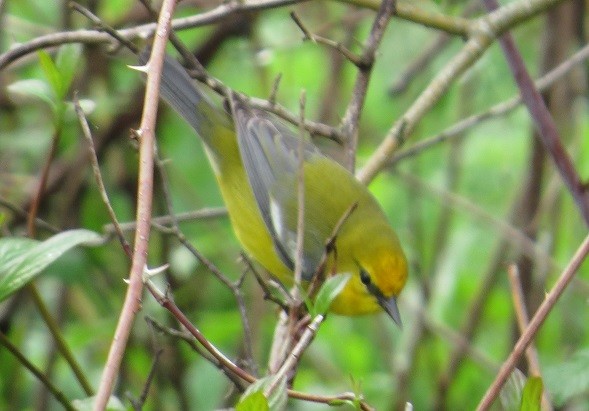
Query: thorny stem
[144, 205]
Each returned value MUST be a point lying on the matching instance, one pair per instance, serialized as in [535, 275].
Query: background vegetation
[467, 208]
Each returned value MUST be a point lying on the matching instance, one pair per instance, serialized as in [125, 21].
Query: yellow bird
[254, 156]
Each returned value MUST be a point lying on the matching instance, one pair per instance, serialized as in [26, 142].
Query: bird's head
[379, 272]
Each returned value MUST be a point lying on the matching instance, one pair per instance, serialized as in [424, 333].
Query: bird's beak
[390, 307]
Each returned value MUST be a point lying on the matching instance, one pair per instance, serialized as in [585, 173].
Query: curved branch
[483, 33]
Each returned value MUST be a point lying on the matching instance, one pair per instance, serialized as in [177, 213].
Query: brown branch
[228, 365]
[543, 120]
[59, 395]
[235, 287]
[38, 198]
[482, 35]
[407, 10]
[351, 118]
[138, 403]
[422, 61]
[537, 320]
[98, 37]
[103, 27]
[187, 337]
[339, 47]
[144, 204]
[521, 314]
[98, 176]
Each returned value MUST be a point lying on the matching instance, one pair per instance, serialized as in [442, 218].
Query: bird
[255, 159]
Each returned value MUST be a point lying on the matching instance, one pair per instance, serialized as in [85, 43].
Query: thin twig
[185, 336]
[98, 176]
[300, 241]
[200, 214]
[295, 354]
[103, 27]
[421, 63]
[339, 47]
[483, 32]
[536, 322]
[59, 396]
[140, 402]
[24, 214]
[283, 340]
[168, 304]
[351, 119]
[510, 233]
[547, 130]
[457, 130]
[330, 247]
[522, 322]
[33, 211]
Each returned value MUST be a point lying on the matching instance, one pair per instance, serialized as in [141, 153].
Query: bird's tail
[181, 93]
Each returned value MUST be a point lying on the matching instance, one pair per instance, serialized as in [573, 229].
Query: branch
[526, 338]
[521, 312]
[457, 130]
[59, 395]
[139, 32]
[482, 34]
[351, 118]
[144, 204]
[407, 11]
[544, 122]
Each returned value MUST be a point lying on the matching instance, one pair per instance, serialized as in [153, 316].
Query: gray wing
[269, 152]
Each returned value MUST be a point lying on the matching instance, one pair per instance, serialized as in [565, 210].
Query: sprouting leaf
[276, 401]
[532, 395]
[253, 402]
[22, 259]
[328, 292]
[51, 73]
[66, 62]
[511, 393]
[279, 396]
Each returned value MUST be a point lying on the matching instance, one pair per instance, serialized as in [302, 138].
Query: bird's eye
[364, 277]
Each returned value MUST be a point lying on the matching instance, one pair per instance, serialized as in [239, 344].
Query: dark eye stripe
[364, 277]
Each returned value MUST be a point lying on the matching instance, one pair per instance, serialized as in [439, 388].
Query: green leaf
[66, 62]
[278, 397]
[328, 291]
[253, 402]
[512, 392]
[22, 259]
[532, 395]
[25, 89]
[51, 74]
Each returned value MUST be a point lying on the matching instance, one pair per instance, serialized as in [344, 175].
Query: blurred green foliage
[367, 354]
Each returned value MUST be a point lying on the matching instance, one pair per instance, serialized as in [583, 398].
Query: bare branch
[537, 320]
[144, 206]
